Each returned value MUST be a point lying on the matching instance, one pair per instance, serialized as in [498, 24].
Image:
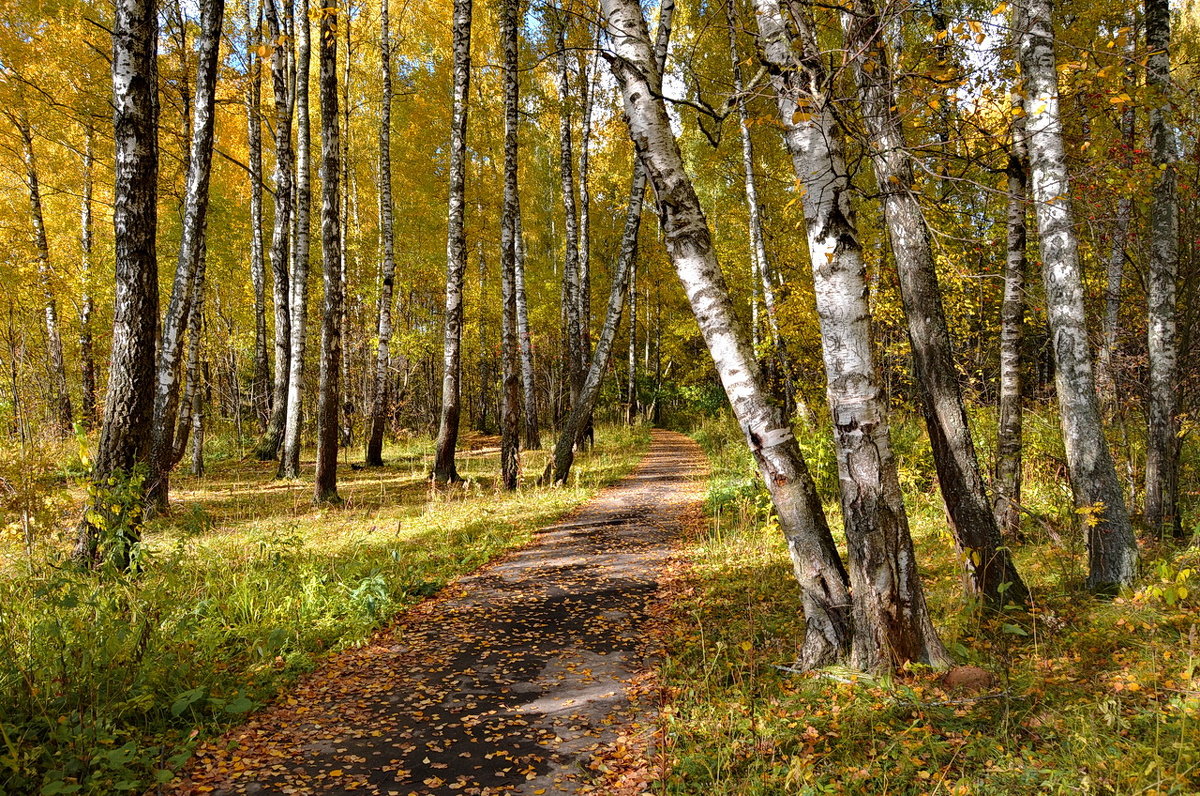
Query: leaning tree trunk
[191, 247]
[1007, 485]
[87, 354]
[1112, 548]
[289, 460]
[60, 395]
[260, 383]
[891, 621]
[1162, 441]
[378, 420]
[571, 284]
[533, 439]
[191, 400]
[281, 56]
[329, 395]
[456, 251]
[989, 566]
[559, 466]
[510, 395]
[825, 600]
[129, 403]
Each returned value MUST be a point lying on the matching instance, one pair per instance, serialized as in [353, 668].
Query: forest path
[506, 683]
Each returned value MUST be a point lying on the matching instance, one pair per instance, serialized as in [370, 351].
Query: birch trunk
[988, 564]
[456, 251]
[191, 247]
[191, 398]
[828, 621]
[289, 461]
[129, 402]
[1007, 485]
[510, 396]
[281, 81]
[891, 622]
[1112, 549]
[60, 395]
[533, 439]
[571, 277]
[581, 412]
[258, 277]
[1162, 445]
[378, 420]
[87, 355]
[329, 394]
[1115, 274]
[587, 91]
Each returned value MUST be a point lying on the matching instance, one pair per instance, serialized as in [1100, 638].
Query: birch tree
[1162, 446]
[972, 522]
[510, 395]
[444, 469]
[329, 393]
[260, 383]
[129, 402]
[1112, 549]
[572, 303]
[87, 354]
[533, 439]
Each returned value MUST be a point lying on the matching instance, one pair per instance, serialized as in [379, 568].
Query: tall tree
[281, 65]
[129, 404]
[1112, 549]
[818, 568]
[1162, 446]
[260, 384]
[378, 421]
[87, 353]
[572, 304]
[533, 439]
[891, 621]
[972, 522]
[329, 395]
[191, 247]
[289, 461]
[444, 469]
[510, 395]
[1007, 483]
[61, 396]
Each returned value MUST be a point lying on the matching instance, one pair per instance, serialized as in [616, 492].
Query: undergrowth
[1089, 696]
[108, 680]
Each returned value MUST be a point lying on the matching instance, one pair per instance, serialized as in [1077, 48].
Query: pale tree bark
[559, 466]
[191, 247]
[1112, 549]
[456, 251]
[533, 439]
[1007, 483]
[631, 395]
[258, 278]
[1162, 441]
[989, 565]
[281, 82]
[824, 594]
[329, 393]
[571, 283]
[378, 421]
[192, 396]
[587, 91]
[60, 395]
[891, 621]
[87, 354]
[289, 460]
[510, 396]
[129, 403]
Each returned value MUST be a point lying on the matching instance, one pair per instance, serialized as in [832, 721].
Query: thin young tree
[261, 379]
[378, 420]
[87, 352]
[1162, 446]
[281, 63]
[510, 394]
[129, 402]
[891, 621]
[289, 460]
[991, 572]
[572, 309]
[329, 393]
[185, 285]
[533, 438]
[1112, 548]
[444, 469]
[829, 623]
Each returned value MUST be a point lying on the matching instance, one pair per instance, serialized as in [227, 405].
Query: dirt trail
[507, 683]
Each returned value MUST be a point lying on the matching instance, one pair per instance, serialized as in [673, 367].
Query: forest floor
[519, 678]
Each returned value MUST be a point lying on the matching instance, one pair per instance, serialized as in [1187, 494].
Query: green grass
[108, 681]
[1091, 696]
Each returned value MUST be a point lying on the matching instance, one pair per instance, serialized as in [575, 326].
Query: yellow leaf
[1000, 9]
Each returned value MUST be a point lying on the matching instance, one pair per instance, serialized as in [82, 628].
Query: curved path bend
[507, 683]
